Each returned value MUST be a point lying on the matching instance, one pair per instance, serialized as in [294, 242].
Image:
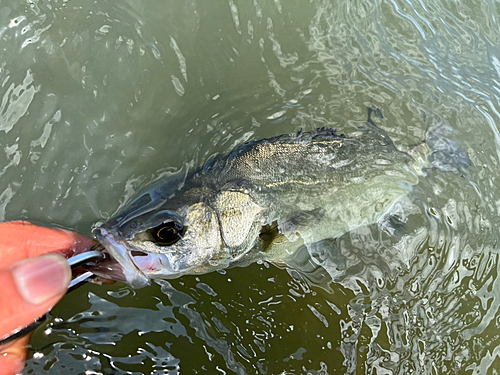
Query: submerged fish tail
[446, 154]
[440, 152]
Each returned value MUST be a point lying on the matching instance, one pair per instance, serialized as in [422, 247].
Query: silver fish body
[261, 201]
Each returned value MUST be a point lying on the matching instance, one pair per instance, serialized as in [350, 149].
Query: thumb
[30, 288]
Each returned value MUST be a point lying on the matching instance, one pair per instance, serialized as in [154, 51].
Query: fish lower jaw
[123, 258]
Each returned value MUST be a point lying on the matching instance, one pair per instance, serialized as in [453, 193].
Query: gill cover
[238, 217]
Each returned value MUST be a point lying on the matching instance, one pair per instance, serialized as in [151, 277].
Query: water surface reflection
[99, 98]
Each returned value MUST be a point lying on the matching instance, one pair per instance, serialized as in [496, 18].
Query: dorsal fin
[374, 110]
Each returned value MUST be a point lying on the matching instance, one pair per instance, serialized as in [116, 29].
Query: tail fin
[436, 151]
[446, 154]
[440, 152]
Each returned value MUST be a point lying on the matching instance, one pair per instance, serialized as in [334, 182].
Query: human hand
[33, 275]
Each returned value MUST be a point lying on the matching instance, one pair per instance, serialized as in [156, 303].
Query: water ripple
[97, 99]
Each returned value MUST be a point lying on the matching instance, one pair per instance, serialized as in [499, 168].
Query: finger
[13, 356]
[22, 239]
[30, 288]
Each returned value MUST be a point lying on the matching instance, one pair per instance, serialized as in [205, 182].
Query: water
[98, 98]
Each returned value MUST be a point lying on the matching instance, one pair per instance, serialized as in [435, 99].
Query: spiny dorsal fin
[372, 109]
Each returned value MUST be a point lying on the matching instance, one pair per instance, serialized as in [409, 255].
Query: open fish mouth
[128, 264]
[121, 265]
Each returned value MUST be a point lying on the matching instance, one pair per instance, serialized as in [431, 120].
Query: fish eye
[168, 233]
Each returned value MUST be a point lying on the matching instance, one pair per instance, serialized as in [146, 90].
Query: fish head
[165, 236]
[164, 244]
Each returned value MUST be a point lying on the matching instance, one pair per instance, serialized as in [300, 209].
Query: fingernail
[41, 278]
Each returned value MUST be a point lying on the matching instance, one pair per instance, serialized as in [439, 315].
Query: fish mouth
[121, 266]
[130, 265]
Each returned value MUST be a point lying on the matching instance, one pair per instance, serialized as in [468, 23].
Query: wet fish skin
[261, 201]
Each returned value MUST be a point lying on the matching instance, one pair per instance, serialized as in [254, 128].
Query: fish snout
[119, 265]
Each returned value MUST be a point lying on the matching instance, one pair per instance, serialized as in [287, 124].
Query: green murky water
[97, 97]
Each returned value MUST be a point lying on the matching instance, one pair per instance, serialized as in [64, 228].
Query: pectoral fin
[300, 222]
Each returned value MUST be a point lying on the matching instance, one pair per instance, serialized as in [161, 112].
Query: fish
[264, 200]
